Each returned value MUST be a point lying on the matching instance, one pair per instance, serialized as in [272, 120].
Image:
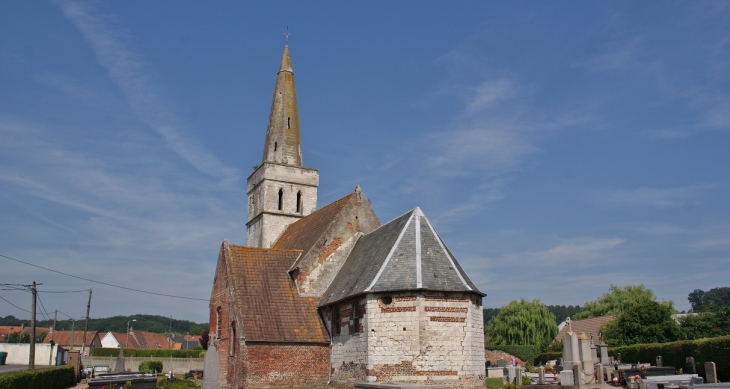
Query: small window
[355, 318]
[336, 325]
[232, 347]
[281, 199]
[299, 202]
[219, 328]
[288, 123]
[276, 146]
[386, 300]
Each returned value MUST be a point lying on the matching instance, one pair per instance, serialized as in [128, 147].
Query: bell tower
[280, 191]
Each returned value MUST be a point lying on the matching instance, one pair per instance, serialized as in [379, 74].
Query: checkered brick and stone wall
[220, 331]
[429, 338]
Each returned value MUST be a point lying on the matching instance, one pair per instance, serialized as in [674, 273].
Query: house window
[336, 322]
[218, 327]
[299, 202]
[355, 318]
[281, 199]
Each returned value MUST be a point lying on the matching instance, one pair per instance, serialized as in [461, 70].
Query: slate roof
[270, 306]
[404, 254]
[589, 326]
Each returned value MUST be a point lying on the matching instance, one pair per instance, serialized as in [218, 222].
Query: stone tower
[280, 191]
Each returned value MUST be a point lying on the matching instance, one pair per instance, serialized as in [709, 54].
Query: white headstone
[711, 372]
[566, 378]
[585, 358]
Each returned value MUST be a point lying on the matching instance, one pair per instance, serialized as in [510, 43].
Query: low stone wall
[178, 365]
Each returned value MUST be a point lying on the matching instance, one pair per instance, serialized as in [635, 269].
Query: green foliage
[151, 353]
[645, 322]
[561, 312]
[150, 366]
[522, 323]
[526, 380]
[702, 301]
[541, 358]
[58, 377]
[152, 323]
[615, 301]
[179, 384]
[675, 353]
[525, 353]
[494, 383]
[712, 322]
[11, 320]
[17, 337]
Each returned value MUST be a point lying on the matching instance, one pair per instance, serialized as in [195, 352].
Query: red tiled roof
[63, 338]
[267, 298]
[150, 340]
[5, 331]
[589, 326]
[303, 233]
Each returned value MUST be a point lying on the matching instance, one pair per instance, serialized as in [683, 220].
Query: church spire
[283, 141]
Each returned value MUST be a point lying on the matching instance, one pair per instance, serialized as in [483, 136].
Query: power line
[25, 310]
[70, 317]
[63, 291]
[43, 307]
[103, 283]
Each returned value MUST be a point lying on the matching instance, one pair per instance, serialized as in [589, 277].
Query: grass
[494, 383]
[180, 384]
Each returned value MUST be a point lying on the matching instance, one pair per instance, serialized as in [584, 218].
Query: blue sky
[557, 147]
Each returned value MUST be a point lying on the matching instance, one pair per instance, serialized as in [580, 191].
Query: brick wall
[74, 359]
[221, 337]
[284, 365]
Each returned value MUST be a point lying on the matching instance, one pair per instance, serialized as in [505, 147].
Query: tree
[645, 322]
[522, 323]
[696, 298]
[617, 300]
[562, 312]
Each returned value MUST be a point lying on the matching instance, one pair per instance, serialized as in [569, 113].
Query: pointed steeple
[283, 140]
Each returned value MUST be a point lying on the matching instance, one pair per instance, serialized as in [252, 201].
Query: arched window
[219, 328]
[299, 202]
[281, 199]
[234, 339]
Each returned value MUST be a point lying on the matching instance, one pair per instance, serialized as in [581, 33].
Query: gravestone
[541, 376]
[578, 375]
[210, 363]
[689, 367]
[618, 357]
[594, 354]
[571, 351]
[711, 372]
[659, 361]
[599, 374]
[605, 359]
[119, 367]
[586, 360]
[501, 363]
[510, 373]
[566, 378]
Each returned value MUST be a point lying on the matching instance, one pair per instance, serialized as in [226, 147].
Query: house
[74, 340]
[591, 327]
[6, 331]
[331, 295]
[137, 340]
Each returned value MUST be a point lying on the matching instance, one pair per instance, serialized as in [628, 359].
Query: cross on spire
[286, 34]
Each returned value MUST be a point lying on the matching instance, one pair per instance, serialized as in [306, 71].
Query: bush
[524, 352]
[541, 358]
[150, 366]
[145, 353]
[675, 353]
[59, 377]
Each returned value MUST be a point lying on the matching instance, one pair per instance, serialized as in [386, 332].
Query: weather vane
[286, 34]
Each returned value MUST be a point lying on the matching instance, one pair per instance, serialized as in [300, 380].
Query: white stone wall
[265, 221]
[418, 337]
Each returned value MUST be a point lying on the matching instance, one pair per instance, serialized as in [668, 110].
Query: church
[330, 295]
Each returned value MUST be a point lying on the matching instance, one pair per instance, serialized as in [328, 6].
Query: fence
[178, 365]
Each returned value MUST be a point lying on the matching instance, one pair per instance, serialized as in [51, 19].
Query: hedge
[58, 377]
[524, 352]
[150, 366]
[156, 353]
[541, 358]
[675, 354]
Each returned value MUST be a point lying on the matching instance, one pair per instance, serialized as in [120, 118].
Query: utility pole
[71, 346]
[88, 308]
[53, 330]
[31, 358]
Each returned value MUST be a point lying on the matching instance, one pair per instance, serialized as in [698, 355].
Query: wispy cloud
[650, 197]
[111, 44]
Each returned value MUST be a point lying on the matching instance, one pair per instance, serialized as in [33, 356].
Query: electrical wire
[25, 310]
[70, 317]
[43, 307]
[63, 291]
[103, 283]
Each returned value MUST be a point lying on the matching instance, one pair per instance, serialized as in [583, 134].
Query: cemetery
[586, 364]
